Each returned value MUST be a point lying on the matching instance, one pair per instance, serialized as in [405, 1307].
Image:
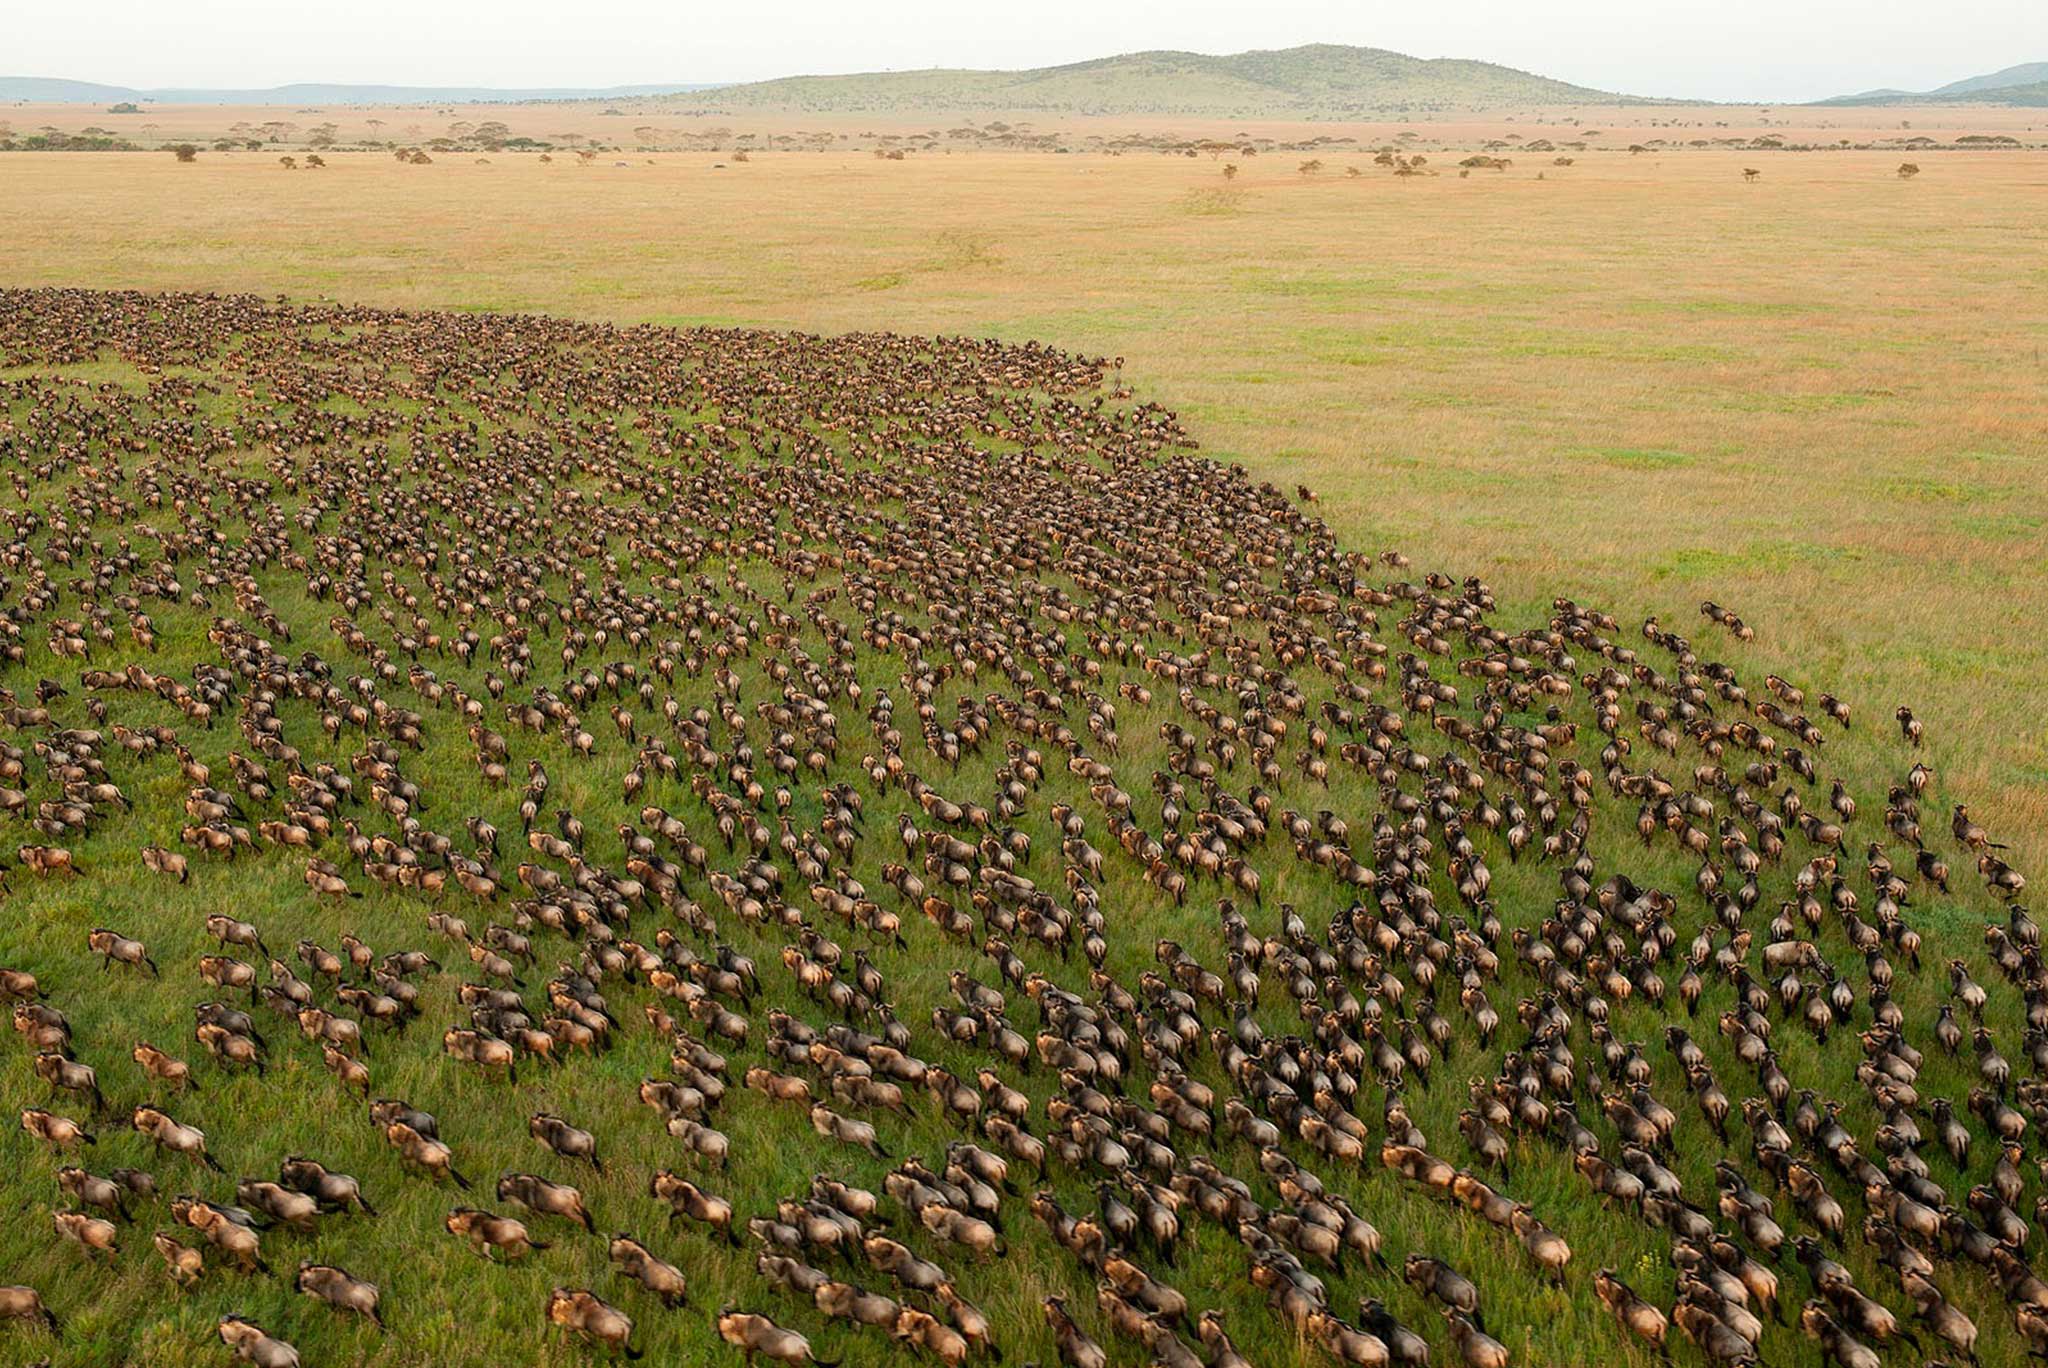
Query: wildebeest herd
[1056, 901]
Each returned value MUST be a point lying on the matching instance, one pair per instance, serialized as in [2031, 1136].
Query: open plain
[1817, 398]
[1619, 386]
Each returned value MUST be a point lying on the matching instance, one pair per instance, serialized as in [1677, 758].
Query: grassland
[1818, 398]
[444, 1306]
[651, 125]
[1637, 381]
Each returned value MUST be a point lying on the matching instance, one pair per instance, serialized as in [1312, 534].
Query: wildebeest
[544, 1198]
[339, 1289]
[491, 1235]
[1072, 669]
[583, 1313]
[685, 1198]
[423, 1152]
[112, 947]
[333, 1191]
[757, 1336]
[634, 1260]
[172, 1135]
[19, 1303]
[255, 1346]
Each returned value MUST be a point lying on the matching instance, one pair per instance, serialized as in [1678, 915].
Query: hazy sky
[1726, 49]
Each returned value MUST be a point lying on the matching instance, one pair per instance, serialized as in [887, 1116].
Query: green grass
[1636, 458]
[447, 1308]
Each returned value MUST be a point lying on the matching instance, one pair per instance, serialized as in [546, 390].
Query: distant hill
[2013, 77]
[1318, 81]
[2024, 85]
[47, 90]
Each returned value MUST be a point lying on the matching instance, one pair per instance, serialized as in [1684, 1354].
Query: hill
[50, 90]
[1316, 81]
[2024, 85]
[2013, 77]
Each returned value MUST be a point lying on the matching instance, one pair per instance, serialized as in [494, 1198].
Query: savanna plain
[1815, 397]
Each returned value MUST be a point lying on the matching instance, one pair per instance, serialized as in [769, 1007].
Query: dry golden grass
[619, 122]
[1818, 398]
